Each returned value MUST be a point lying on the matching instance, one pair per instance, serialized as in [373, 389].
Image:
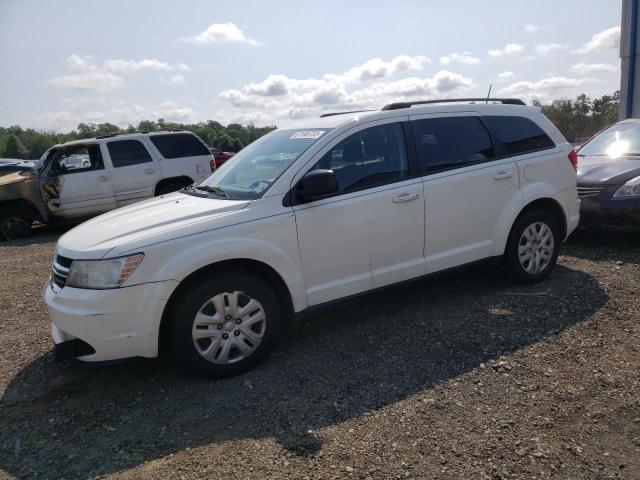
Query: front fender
[183, 259]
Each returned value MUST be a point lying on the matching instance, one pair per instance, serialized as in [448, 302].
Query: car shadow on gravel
[69, 420]
[598, 245]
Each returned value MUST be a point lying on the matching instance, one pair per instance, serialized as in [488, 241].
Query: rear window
[179, 145]
[124, 153]
[451, 142]
[519, 134]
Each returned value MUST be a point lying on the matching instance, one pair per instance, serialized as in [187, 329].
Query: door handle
[149, 170]
[405, 197]
[502, 175]
[103, 179]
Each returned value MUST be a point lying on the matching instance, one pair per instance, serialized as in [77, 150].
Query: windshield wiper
[214, 190]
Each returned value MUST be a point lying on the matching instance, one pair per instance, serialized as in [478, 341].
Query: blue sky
[66, 62]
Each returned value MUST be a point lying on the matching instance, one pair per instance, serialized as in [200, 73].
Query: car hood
[7, 166]
[606, 170]
[151, 221]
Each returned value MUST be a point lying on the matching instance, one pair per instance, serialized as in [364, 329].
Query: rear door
[133, 171]
[468, 182]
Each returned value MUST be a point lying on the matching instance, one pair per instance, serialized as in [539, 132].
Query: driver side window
[81, 159]
[370, 157]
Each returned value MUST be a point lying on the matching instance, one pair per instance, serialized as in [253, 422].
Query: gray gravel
[465, 376]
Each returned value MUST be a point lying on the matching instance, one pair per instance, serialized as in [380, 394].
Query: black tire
[169, 188]
[14, 226]
[511, 259]
[189, 303]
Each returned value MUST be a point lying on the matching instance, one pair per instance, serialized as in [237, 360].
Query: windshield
[616, 141]
[253, 170]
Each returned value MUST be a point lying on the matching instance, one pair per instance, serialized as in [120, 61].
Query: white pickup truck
[87, 177]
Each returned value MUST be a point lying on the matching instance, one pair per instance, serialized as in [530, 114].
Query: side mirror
[317, 184]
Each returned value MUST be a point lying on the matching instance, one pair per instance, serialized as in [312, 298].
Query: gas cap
[529, 173]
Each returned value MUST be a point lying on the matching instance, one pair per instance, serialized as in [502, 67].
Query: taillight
[573, 158]
[212, 164]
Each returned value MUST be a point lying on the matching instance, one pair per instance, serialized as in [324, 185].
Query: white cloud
[177, 79]
[509, 49]
[464, 58]
[98, 81]
[108, 75]
[378, 68]
[120, 113]
[544, 88]
[132, 66]
[607, 39]
[221, 33]
[285, 98]
[549, 48]
[531, 28]
[505, 75]
[591, 68]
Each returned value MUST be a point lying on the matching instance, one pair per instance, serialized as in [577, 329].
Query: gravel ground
[464, 377]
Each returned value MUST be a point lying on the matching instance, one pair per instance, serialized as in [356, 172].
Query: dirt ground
[463, 377]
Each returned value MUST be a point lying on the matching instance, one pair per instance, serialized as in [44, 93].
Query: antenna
[489, 93]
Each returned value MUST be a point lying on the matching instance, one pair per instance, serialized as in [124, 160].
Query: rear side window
[452, 142]
[124, 153]
[179, 145]
[519, 134]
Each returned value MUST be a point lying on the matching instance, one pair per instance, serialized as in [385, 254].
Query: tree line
[583, 117]
[577, 119]
[18, 142]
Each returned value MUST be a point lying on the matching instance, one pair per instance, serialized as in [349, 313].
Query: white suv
[328, 209]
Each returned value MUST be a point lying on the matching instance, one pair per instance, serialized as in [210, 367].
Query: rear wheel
[225, 325]
[532, 248]
[14, 226]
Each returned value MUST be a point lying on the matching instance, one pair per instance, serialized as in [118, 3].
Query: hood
[12, 165]
[608, 171]
[150, 221]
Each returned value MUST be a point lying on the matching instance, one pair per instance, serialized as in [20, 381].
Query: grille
[584, 192]
[59, 272]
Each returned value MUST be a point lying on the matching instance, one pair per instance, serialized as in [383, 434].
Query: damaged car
[83, 178]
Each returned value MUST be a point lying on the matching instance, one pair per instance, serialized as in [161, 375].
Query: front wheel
[225, 325]
[532, 248]
[14, 226]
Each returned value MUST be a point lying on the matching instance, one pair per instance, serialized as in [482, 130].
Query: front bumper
[608, 213]
[118, 323]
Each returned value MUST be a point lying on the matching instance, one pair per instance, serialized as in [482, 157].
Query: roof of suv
[336, 119]
[120, 136]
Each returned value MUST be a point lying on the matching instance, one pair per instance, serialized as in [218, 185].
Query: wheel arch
[513, 212]
[251, 266]
[183, 180]
[21, 205]
[551, 206]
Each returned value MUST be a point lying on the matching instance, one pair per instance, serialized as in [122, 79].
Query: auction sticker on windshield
[313, 134]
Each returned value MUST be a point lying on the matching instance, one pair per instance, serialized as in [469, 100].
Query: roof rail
[107, 135]
[343, 113]
[505, 101]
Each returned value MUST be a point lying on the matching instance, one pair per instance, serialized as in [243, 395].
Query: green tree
[14, 148]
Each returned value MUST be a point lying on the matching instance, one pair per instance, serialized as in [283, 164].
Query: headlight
[629, 189]
[102, 274]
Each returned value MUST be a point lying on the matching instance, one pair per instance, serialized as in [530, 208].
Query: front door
[134, 172]
[371, 233]
[76, 183]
